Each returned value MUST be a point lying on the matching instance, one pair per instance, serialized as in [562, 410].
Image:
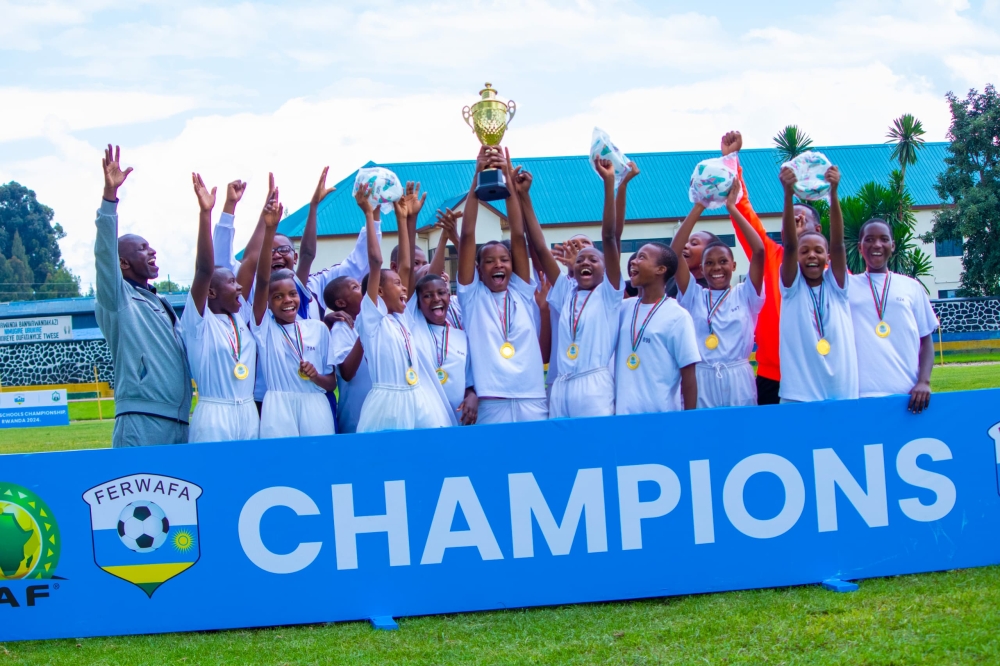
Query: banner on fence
[32, 409]
[36, 329]
[239, 534]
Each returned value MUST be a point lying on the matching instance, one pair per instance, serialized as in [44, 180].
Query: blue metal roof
[567, 191]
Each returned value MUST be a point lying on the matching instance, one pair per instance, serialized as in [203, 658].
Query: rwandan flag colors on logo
[145, 528]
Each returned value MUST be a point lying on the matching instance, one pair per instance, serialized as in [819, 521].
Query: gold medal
[303, 375]
[712, 341]
[632, 361]
[411, 376]
[507, 350]
[823, 347]
[882, 329]
[573, 351]
[241, 371]
[442, 375]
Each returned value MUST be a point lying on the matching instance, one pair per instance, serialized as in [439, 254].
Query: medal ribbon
[297, 344]
[236, 345]
[637, 339]
[406, 340]
[504, 315]
[712, 309]
[576, 315]
[441, 348]
[880, 302]
[818, 309]
[456, 321]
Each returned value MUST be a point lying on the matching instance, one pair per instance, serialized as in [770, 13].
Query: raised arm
[110, 283]
[307, 246]
[204, 261]
[248, 266]
[518, 243]
[374, 247]
[610, 236]
[487, 159]
[404, 267]
[447, 222]
[521, 181]
[683, 274]
[838, 249]
[754, 241]
[732, 142]
[270, 217]
[790, 259]
[225, 232]
[633, 171]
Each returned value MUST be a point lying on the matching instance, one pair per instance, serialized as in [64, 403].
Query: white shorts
[390, 407]
[726, 384]
[220, 420]
[288, 414]
[512, 410]
[590, 393]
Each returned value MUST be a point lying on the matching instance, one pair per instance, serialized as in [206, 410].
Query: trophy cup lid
[488, 92]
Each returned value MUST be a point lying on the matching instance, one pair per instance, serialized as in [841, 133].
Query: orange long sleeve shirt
[766, 334]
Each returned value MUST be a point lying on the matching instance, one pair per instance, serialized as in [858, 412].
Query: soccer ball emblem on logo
[142, 526]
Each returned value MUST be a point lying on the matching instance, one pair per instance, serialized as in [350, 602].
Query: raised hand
[731, 142]
[522, 180]
[606, 170]
[448, 220]
[206, 199]
[401, 210]
[489, 158]
[633, 171]
[272, 211]
[322, 191]
[361, 197]
[113, 174]
[414, 200]
[788, 179]
[833, 177]
[234, 191]
[733, 196]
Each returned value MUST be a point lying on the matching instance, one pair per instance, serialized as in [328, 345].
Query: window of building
[947, 293]
[775, 236]
[949, 247]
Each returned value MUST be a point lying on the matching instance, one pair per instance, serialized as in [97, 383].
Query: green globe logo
[29, 535]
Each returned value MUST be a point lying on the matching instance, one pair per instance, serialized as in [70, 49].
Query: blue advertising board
[274, 532]
[33, 409]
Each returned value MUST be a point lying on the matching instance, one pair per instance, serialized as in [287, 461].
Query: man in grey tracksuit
[152, 379]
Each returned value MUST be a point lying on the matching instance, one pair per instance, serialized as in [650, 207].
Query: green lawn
[86, 411]
[940, 618]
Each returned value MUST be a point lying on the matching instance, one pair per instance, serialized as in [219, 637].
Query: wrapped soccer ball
[142, 526]
[384, 185]
[712, 180]
[810, 172]
[601, 148]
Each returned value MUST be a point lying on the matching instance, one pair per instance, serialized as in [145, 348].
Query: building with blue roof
[568, 200]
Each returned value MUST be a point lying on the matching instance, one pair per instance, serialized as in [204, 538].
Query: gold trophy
[488, 119]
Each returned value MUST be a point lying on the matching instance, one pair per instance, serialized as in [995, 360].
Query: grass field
[940, 618]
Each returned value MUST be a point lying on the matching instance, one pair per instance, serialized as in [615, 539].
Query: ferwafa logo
[145, 528]
[29, 535]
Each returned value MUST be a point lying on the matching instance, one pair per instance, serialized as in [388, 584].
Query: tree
[168, 286]
[907, 134]
[60, 283]
[970, 188]
[791, 142]
[28, 224]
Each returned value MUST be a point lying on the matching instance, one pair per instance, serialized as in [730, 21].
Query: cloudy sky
[235, 89]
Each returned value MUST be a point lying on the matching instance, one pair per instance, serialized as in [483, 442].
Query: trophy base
[491, 185]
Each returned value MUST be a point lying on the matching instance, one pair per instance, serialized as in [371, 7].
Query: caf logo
[145, 528]
[29, 535]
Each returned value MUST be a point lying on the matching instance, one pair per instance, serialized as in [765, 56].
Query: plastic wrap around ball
[810, 172]
[712, 180]
[601, 148]
[384, 185]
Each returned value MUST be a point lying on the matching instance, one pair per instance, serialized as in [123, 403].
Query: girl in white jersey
[500, 314]
[893, 323]
[403, 394]
[724, 316]
[221, 352]
[818, 357]
[588, 304]
[294, 353]
[657, 350]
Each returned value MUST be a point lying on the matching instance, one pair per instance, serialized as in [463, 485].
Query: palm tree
[907, 133]
[791, 142]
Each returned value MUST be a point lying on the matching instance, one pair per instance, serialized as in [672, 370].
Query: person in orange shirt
[766, 334]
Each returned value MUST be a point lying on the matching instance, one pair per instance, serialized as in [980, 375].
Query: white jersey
[452, 346]
[807, 375]
[352, 393]
[889, 365]
[666, 345]
[733, 321]
[355, 266]
[522, 375]
[280, 346]
[212, 344]
[597, 313]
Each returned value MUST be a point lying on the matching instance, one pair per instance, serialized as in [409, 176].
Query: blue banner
[33, 409]
[273, 532]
